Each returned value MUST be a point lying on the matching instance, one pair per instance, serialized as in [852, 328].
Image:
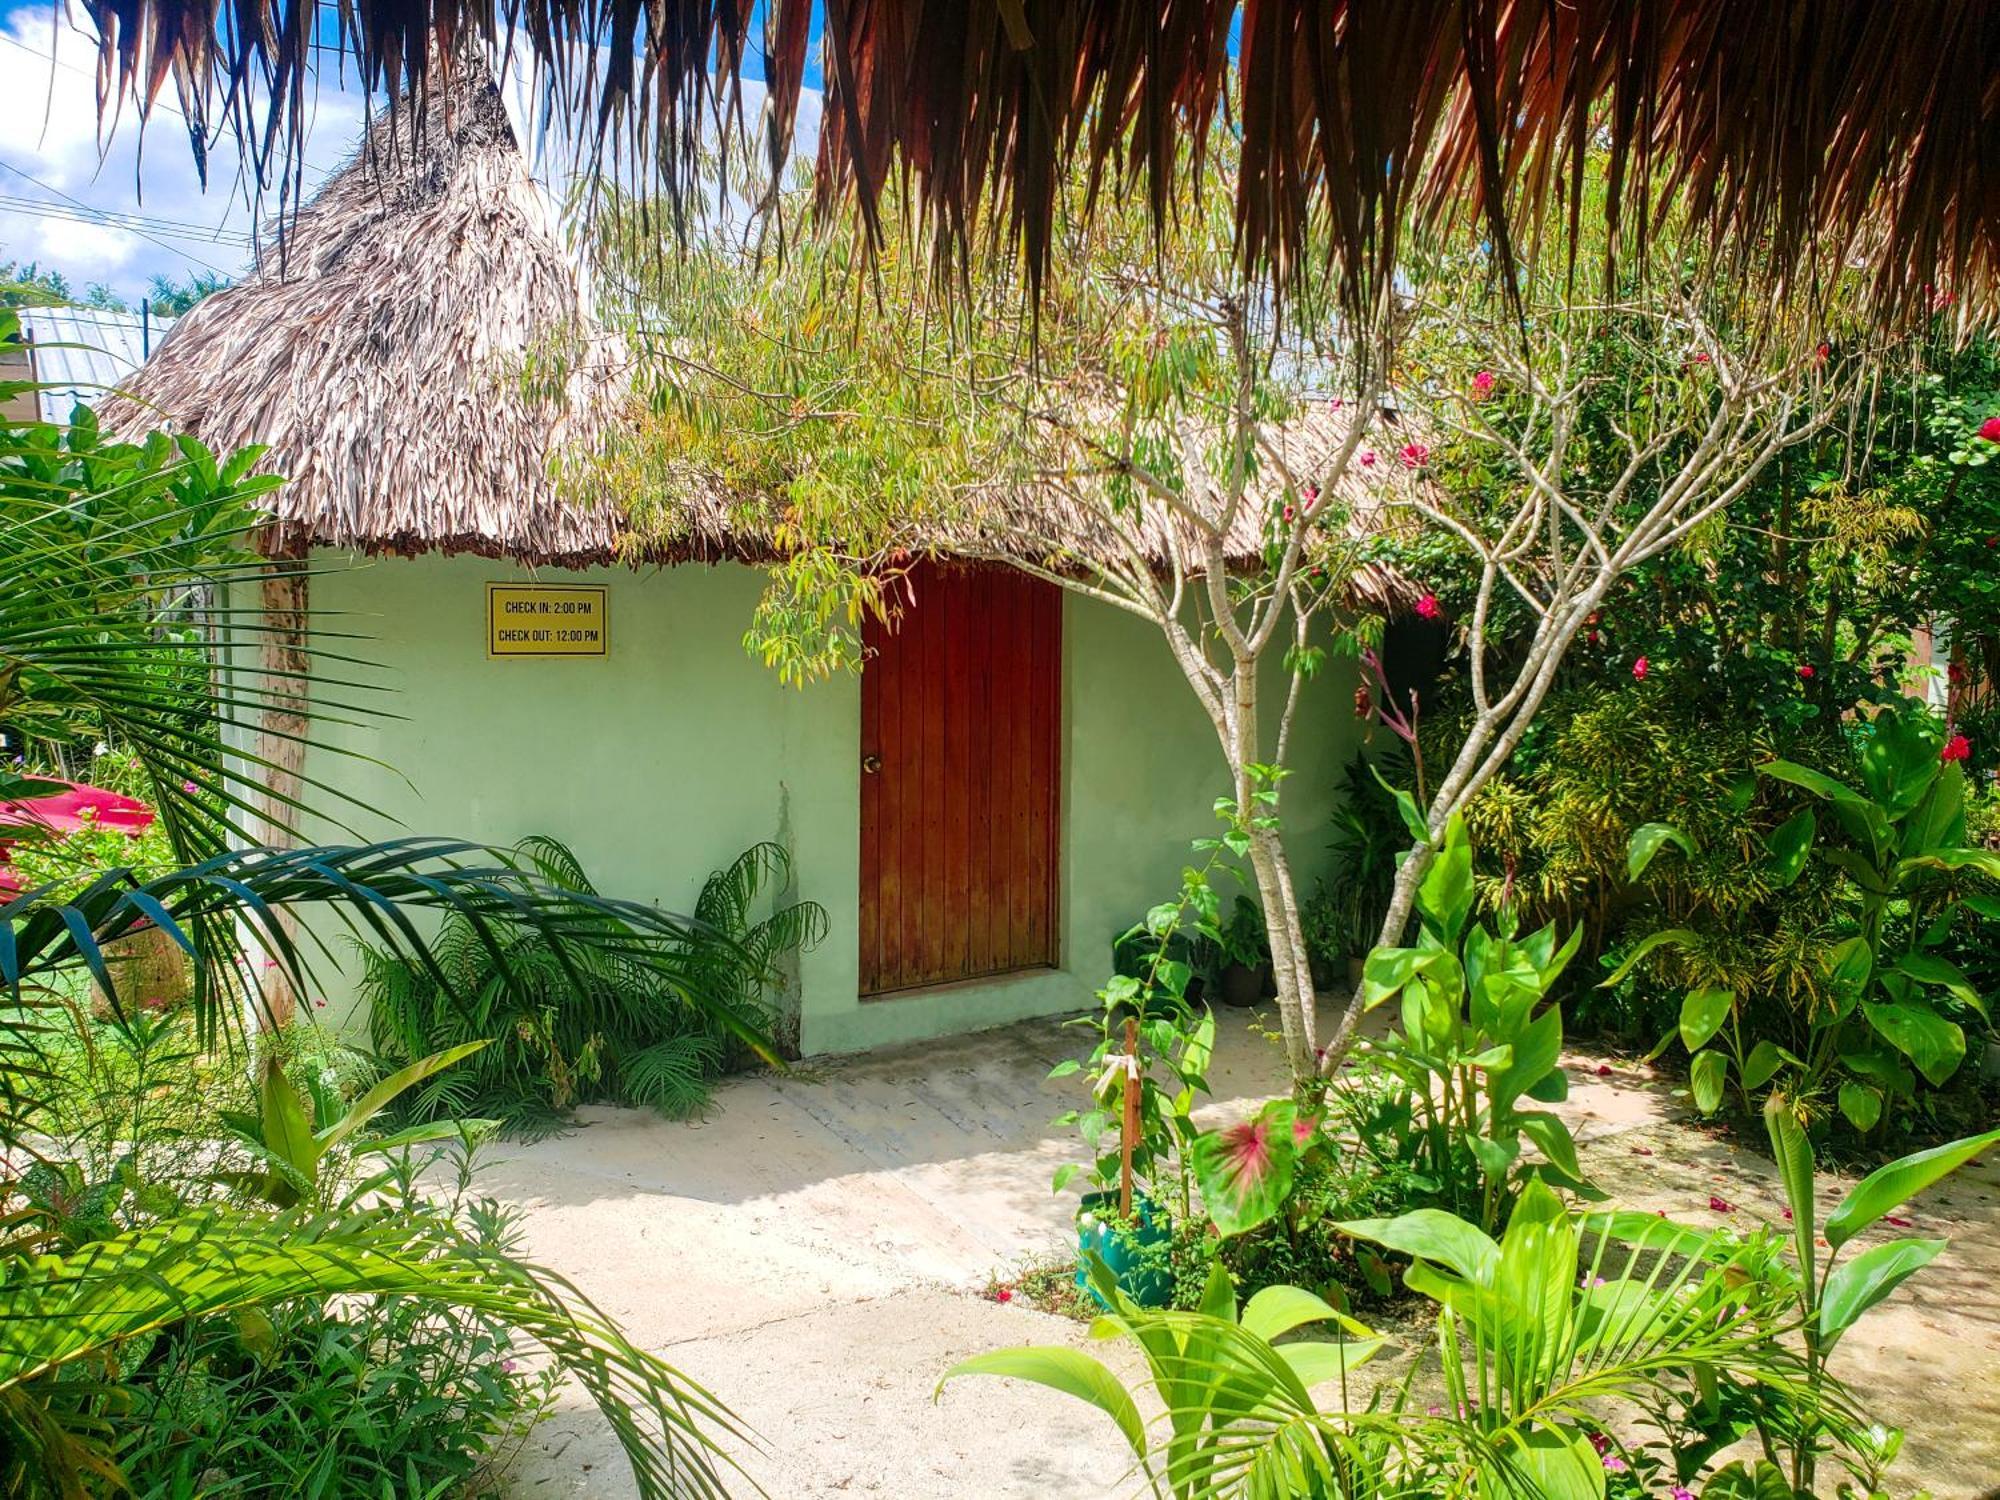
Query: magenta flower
[1312, 496]
[1640, 668]
[1414, 455]
[1958, 747]
[1004, 1294]
[189, 787]
[1613, 1464]
[1680, 1492]
[1482, 385]
[1720, 1205]
[1368, 458]
[1289, 513]
[1990, 429]
[1428, 607]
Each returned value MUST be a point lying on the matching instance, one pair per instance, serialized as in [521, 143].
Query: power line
[113, 219]
[78, 202]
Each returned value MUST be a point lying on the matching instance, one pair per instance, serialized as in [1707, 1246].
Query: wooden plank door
[961, 720]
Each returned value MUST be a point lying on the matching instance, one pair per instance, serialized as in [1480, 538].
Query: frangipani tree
[1167, 439]
[1577, 438]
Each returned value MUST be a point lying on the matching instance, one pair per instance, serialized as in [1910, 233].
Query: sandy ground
[814, 1253]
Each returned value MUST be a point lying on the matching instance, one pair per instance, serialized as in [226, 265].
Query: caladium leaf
[1245, 1169]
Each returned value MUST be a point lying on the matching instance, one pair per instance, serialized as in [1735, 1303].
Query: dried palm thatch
[416, 358]
[1798, 128]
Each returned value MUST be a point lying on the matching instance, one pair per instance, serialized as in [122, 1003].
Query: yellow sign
[547, 619]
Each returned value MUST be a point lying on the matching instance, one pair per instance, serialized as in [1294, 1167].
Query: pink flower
[1312, 496]
[1805, 672]
[1289, 513]
[189, 787]
[1482, 385]
[1335, 404]
[1368, 458]
[1428, 608]
[1640, 668]
[1613, 1464]
[1680, 1492]
[507, 1367]
[1720, 1205]
[1787, 1213]
[1990, 429]
[1414, 455]
[1004, 1294]
[1958, 747]
[1701, 359]
[1302, 1130]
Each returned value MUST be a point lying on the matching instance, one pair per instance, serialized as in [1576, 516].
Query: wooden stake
[1129, 1133]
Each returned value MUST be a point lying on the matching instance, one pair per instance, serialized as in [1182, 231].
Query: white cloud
[57, 185]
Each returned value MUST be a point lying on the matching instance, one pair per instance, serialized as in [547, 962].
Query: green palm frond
[80, 1311]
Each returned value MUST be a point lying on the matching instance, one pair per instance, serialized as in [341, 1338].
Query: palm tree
[114, 561]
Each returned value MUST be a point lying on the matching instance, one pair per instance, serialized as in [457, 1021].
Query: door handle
[871, 763]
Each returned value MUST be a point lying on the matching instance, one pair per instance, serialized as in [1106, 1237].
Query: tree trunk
[281, 727]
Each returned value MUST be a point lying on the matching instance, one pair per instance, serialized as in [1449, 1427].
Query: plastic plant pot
[1097, 1233]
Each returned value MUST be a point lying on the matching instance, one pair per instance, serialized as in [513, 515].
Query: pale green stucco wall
[677, 751]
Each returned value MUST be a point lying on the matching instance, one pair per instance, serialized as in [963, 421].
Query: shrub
[568, 1029]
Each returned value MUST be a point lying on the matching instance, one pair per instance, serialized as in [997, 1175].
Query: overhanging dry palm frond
[1807, 130]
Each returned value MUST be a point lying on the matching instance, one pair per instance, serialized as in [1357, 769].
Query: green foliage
[109, 556]
[1888, 1006]
[650, 1023]
[1542, 1344]
[1477, 1042]
[1368, 836]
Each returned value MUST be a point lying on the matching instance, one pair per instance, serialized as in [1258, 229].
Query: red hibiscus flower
[1958, 747]
[1990, 429]
[1428, 607]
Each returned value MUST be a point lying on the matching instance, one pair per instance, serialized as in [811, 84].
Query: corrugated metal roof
[80, 353]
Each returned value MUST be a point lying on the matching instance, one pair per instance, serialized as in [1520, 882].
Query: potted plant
[1243, 956]
[1144, 1074]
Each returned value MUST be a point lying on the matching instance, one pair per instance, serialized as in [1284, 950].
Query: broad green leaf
[1702, 1015]
[1850, 964]
[1278, 1310]
[1899, 760]
[1316, 1362]
[1444, 897]
[1069, 1371]
[1646, 842]
[1935, 1045]
[1793, 1153]
[1762, 1065]
[1245, 1169]
[1706, 1077]
[1985, 861]
[1861, 1104]
[1406, 808]
[1537, 1048]
[1790, 844]
[1680, 935]
[372, 1103]
[1929, 968]
[1898, 1182]
[1386, 970]
[282, 1118]
[1858, 1284]
[1546, 1463]
[1553, 1137]
[1432, 1234]
[1735, 1482]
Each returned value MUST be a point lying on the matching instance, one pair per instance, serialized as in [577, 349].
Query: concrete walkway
[814, 1253]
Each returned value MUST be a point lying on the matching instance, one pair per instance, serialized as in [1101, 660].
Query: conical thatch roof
[416, 357]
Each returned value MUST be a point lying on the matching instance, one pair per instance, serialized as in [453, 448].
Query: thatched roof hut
[415, 357]
[421, 360]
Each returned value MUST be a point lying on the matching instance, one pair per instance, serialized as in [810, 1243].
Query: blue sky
[120, 211]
